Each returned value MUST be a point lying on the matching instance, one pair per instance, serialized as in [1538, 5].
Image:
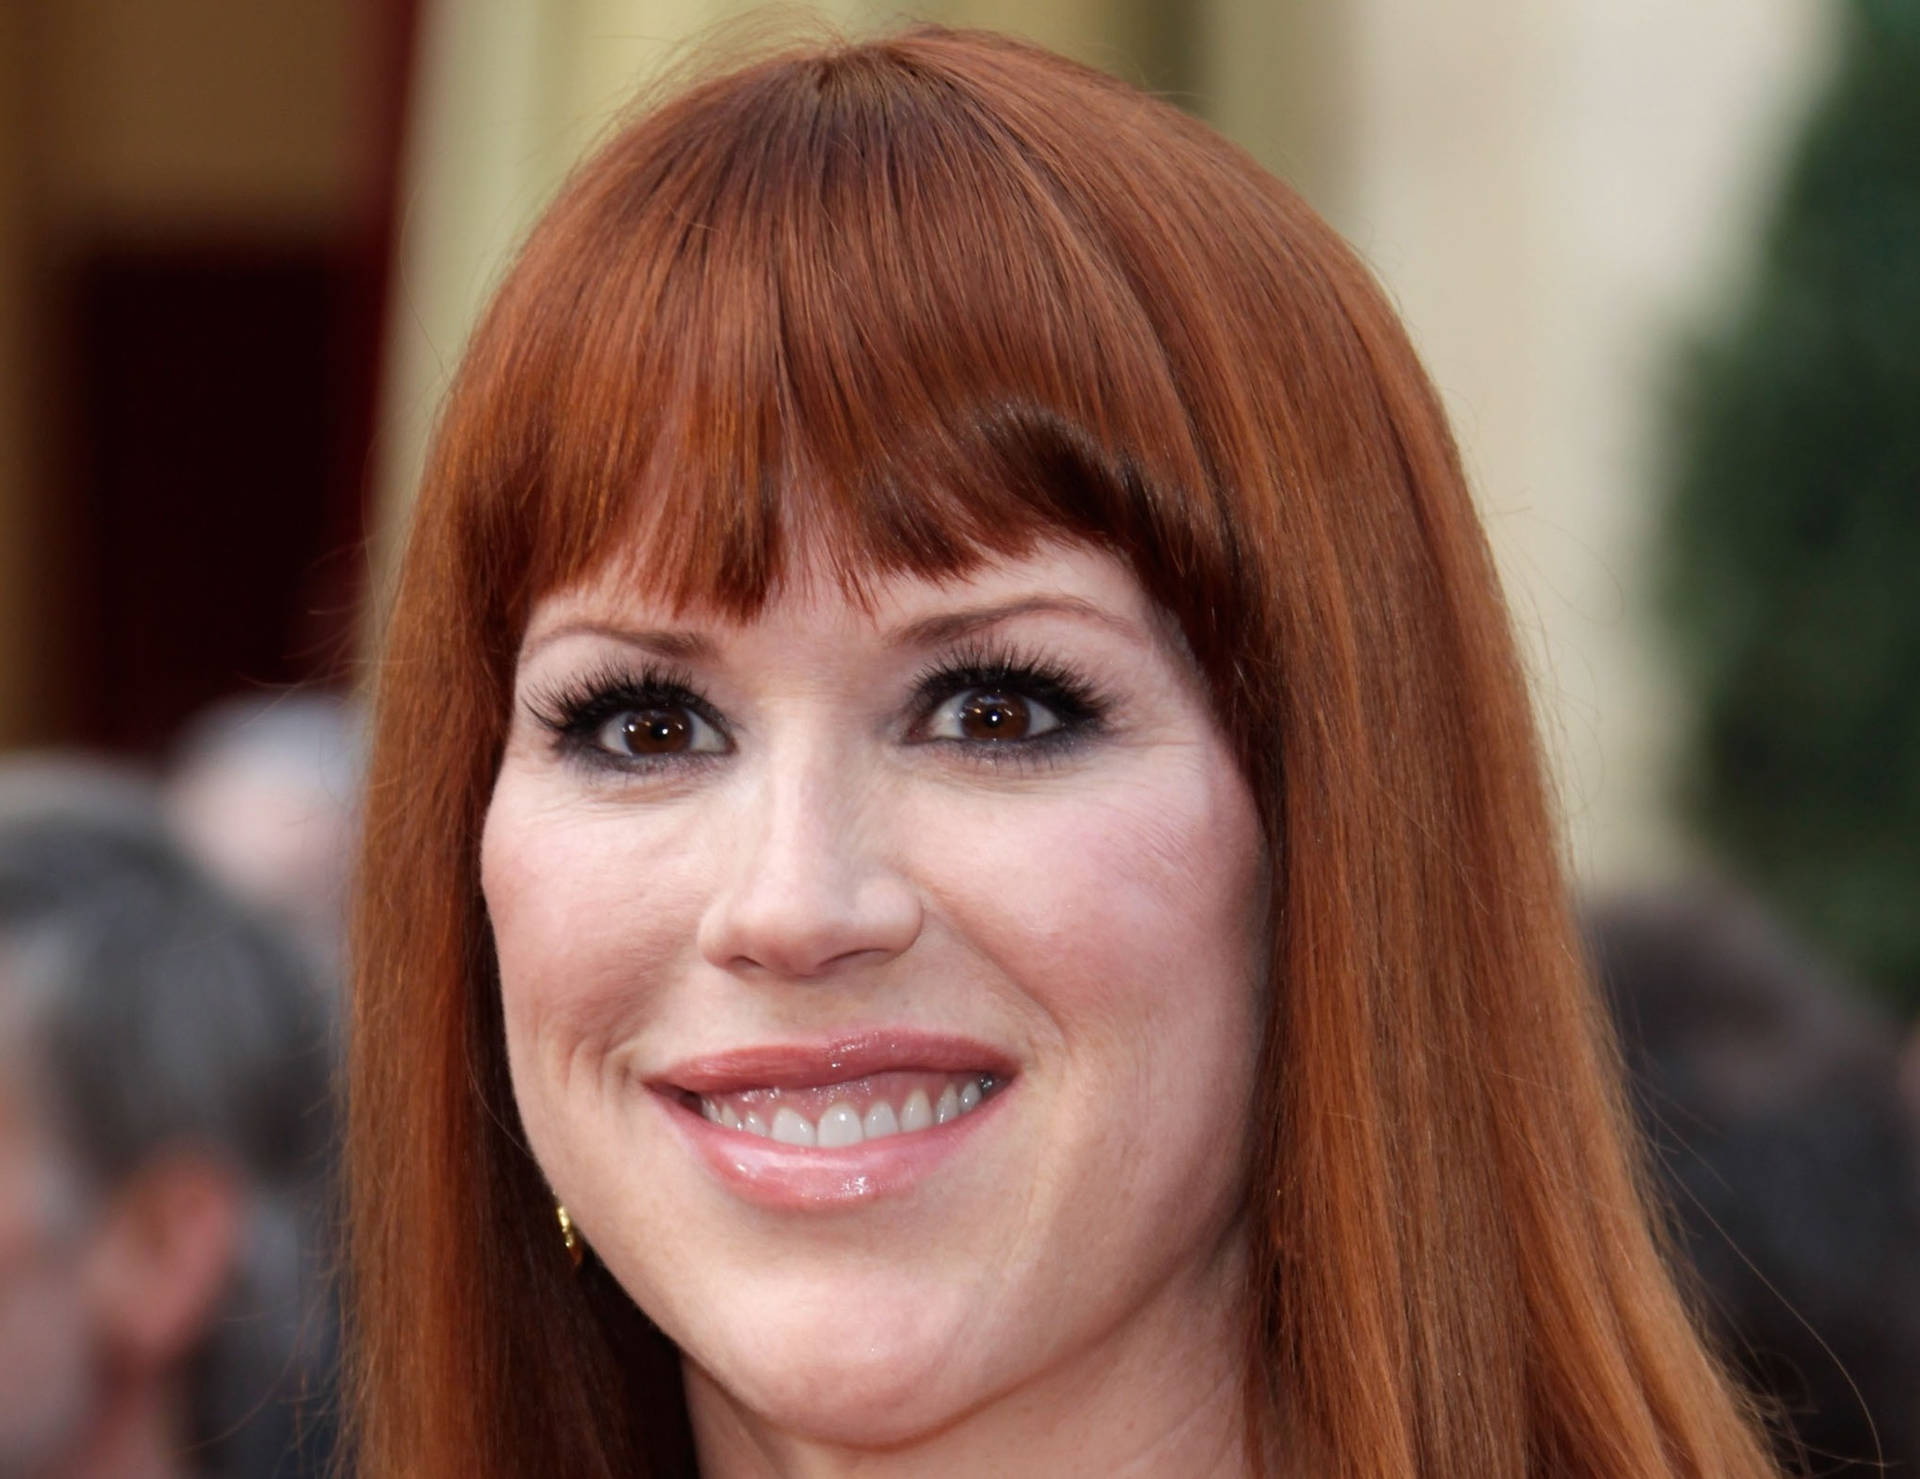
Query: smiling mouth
[833, 1116]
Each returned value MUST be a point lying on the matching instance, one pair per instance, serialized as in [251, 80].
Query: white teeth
[790, 1127]
[842, 1124]
[839, 1126]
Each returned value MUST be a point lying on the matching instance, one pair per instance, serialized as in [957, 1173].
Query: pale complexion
[990, 822]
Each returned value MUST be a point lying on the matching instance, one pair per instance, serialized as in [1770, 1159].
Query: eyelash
[983, 666]
[575, 711]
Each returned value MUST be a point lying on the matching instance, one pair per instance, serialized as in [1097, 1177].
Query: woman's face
[882, 984]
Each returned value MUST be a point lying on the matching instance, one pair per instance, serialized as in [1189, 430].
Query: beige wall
[1553, 193]
[1276, 77]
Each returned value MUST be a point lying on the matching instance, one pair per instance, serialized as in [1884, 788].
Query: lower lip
[789, 1177]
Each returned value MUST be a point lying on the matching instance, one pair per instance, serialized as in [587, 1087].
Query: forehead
[1067, 581]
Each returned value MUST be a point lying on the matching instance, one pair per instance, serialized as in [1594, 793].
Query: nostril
[803, 928]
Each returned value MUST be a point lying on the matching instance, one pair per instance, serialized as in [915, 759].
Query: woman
[950, 779]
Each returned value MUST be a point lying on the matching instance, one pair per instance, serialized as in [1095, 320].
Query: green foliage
[1794, 530]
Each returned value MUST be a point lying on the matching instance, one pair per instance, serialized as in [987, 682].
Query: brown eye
[991, 714]
[660, 731]
[995, 716]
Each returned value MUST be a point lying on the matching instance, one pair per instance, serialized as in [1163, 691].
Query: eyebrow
[677, 646]
[929, 631]
[951, 626]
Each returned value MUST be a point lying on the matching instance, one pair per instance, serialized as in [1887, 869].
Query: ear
[164, 1256]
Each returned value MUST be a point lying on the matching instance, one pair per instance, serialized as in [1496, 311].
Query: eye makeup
[579, 711]
[587, 713]
[984, 666]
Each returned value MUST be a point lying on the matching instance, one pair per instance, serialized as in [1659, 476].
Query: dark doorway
[213, 539]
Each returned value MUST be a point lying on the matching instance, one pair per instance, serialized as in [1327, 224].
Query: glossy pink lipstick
[834, 1122]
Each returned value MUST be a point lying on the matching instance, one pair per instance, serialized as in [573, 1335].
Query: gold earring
[576, 1250]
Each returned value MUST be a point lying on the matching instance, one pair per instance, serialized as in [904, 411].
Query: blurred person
[1771, 1095]
[164, 1119]
[264, 789]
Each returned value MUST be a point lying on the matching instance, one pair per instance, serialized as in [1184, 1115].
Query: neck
[135, 1435]
[1161, 1398]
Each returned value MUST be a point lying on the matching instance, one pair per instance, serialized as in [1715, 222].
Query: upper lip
[807, 1065]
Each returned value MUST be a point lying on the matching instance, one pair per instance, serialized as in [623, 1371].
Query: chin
[858, 1370]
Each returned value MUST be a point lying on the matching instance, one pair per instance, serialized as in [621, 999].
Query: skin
[1061, 1294]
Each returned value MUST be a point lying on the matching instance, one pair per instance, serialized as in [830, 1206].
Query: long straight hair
[904, 307]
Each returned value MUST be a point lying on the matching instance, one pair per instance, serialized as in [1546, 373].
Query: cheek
[1133, 915]
[589, 915]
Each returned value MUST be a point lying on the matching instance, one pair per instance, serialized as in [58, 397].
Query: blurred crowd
[170, 955]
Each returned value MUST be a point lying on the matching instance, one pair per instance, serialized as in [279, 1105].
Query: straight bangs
[835, 316]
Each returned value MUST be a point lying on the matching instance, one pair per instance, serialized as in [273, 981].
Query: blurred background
[1663, 262]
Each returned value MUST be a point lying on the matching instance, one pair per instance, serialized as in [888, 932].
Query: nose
[807, 884]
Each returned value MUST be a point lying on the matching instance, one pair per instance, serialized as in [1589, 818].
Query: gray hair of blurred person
[265, 790]
[145, 1013]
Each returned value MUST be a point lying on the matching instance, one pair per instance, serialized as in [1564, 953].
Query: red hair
[906, 306]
